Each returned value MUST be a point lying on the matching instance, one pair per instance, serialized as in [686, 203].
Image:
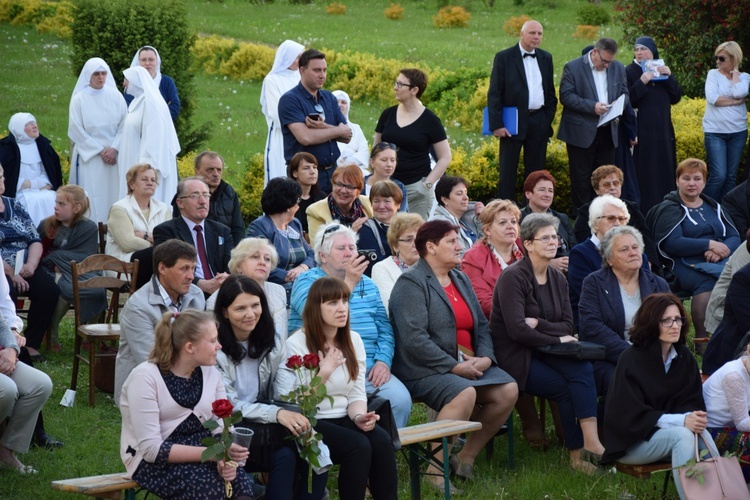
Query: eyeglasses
[546, 239]
[319, 109]
[348, 187]
[408, 241]
[197, 196]
[606, 62]
[668, 322]
[720, 58]
[400, 85]
[612, 218]
[331, 229]
[299, 200]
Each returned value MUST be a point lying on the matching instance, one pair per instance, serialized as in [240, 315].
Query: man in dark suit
[212, 240]
[522, 77]
[589, 85]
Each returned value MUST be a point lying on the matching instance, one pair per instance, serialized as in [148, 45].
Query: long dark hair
[323, 290]
[261, 338]
[645, 329]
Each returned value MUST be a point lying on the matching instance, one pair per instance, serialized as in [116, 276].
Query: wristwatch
[145, 236]
[428, 185]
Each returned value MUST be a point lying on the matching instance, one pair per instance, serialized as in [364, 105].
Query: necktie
[207, 274]
[530, 54]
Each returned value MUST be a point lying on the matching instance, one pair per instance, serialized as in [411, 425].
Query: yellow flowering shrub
[687, 119]
[586, 32]
[250, 62]
[363, 76]
[394, 12]
[60, 23]
[335, 9]
[512, 26]
[252, 188]
[47, 17]
[186, 165]
[452, 16]
[210, 51]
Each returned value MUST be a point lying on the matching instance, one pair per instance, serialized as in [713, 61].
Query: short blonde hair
[487, 217]
[134, 171]
[734, 51]
[402, 222]
[247, 247]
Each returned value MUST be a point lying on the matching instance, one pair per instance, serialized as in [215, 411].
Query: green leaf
[206, 455]
[208, 441]
[211, 425]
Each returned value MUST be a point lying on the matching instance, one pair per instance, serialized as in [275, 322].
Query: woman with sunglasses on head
[416, 131]
[656, 402]
[530, 309]
[382, 165]
[725, 119]
[361, 447]
[345, 203]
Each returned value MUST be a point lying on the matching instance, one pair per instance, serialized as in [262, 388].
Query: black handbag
[581, 350]
[267, 438]
[387, 421]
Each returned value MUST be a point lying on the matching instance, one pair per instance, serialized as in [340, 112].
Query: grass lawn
[37, 77]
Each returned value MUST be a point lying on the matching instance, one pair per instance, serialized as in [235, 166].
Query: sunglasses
[386, 145]
[720, 58]
[328, 231]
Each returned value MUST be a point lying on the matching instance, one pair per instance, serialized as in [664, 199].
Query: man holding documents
[522, 104]
[590, 86]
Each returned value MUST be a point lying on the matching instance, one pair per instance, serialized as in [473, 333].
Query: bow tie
[530, 54]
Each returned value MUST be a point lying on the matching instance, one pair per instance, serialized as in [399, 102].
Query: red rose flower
[222, 408]
[311, 361]
[294, 362]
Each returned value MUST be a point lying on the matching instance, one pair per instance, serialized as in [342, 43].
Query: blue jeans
[569, 383]
[724, 153]
[397, 393]
[675, 442]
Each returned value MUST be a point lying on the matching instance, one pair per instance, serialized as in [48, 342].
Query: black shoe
[43, 440]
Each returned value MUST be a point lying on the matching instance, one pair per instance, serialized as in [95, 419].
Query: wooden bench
[106, 486]
[644, 471]
[416, 441]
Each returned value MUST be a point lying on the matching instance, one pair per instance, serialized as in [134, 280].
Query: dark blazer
[10, 159]
[263, 227]
[735, 324]
[516, 297]
[217, 236]
[224, 207]
[578, 96]
[508, 87]
[736, 204]
[602, 313]
[425, 326]
[584, 260]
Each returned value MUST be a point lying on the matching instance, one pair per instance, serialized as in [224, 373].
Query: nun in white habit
[97, 113]
[149, 58]
[357, 151]
[148, 135]
[31, 165]
[284, 76]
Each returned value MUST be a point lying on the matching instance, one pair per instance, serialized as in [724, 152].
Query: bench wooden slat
[435, 430]
[643, 471]
[94, 485]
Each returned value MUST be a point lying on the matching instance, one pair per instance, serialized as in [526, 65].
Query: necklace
[450, 293]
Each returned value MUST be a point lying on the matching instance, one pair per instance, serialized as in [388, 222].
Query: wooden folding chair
[102, 237]
[108, 330]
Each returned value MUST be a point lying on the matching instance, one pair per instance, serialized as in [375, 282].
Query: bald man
[522, 77]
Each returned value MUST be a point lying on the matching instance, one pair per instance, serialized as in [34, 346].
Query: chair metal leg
[446, 468]
[76, 361]
[509, 423]
[666, 485]
[414, 476]
[92, 365]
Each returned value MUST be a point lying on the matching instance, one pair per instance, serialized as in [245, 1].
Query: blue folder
[510, 119]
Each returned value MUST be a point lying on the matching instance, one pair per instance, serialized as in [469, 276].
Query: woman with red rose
[164, 402]
[249, 360]
[362, 448]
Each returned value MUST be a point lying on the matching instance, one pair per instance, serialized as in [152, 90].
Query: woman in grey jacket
[251, 352]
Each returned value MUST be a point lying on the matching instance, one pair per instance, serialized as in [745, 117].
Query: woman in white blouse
[725, 119]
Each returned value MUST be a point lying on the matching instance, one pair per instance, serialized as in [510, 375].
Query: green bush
[114, 30]
[593, 15]
[252, 188]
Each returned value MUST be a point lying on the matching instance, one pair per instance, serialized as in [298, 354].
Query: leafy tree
[114, 30]
[686, 32]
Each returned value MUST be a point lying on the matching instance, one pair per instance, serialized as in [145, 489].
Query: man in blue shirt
[311, 120]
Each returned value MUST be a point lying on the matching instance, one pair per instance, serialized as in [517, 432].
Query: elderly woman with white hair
[336, 253]
[148, 57]
[605, 212]
[611, 296]
[256, 258]
[31, 165]
[357, 151]
[284, 76]
[148, 134]
[97, 113]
